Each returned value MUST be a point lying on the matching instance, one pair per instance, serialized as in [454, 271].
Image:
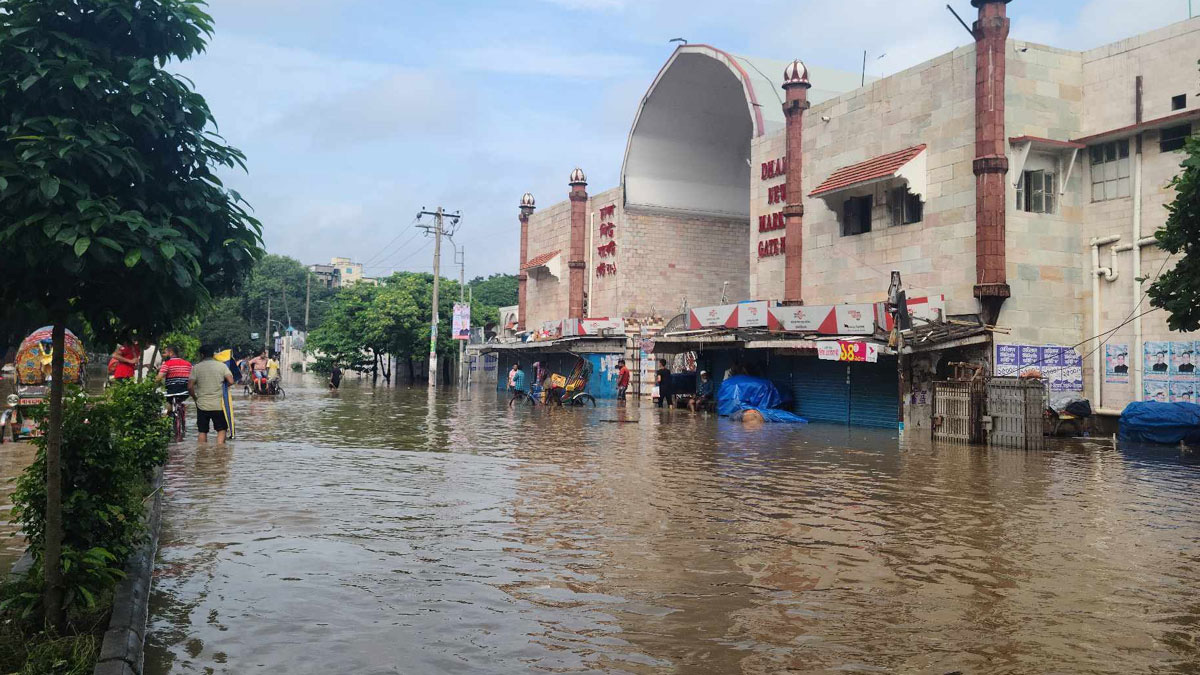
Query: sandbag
[1154, 422]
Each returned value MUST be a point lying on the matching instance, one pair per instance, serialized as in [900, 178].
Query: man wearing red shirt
[126, 361]
[622, 380]
[175, 371]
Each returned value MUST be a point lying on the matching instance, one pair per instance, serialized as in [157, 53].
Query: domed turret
[577, 177]
[796, 73]
[527, 201]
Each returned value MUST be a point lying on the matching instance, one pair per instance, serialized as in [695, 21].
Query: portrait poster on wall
[1183, 391]
[1183, 360]
[1155, 362]
[1116, 363]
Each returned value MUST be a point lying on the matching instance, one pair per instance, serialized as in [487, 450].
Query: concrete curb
[124, 643]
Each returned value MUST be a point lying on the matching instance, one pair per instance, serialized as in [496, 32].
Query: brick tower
[991, 164]
[795, 85]
[527, 206]
[577, 260]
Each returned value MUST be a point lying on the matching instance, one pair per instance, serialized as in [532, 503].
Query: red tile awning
[539, 260]
[874, 169]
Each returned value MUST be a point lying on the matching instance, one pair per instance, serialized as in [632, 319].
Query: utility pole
[267, 335]
[437, 230]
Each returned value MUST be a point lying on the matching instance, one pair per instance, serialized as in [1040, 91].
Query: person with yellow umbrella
[226, 356]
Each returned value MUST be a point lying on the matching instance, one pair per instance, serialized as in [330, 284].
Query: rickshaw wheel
[582, 399]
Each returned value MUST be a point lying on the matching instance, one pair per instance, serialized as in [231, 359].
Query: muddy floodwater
[382, 531]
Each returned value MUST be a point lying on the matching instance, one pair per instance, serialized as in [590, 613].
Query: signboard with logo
[856, 319]
[717, 316]
[574, 327]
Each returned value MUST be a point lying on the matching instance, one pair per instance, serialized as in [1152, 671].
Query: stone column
[795, 84]
[991, 163]
[577, 260]
[527, 206]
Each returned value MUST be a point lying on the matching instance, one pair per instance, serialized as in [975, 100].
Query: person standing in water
[205, 385]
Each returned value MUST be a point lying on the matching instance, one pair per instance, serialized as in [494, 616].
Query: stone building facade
[1019, 165]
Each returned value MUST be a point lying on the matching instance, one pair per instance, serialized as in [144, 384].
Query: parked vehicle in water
[32, 369]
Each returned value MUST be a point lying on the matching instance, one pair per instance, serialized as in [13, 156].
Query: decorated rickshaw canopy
[36, 351]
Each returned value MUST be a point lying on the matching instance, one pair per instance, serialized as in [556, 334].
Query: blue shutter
[821, 389]
[874, 393]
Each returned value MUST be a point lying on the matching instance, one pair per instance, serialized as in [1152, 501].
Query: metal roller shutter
[874, 393]
[821, 389]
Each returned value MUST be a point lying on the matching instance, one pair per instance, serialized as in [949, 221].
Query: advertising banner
[1116, 363]
[843, 350]
[461, 328]
[1061, 368]
[752, 314]
[855, 319]
[717, 316]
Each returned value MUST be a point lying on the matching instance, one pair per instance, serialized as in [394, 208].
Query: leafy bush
[110, 446]
[142, 427]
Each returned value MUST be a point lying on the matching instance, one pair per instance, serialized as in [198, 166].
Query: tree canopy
[1177, 290]
[113, 209]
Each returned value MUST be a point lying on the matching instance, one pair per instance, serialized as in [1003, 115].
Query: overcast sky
[354, 114]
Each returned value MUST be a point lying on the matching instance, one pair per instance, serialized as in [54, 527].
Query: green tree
[222, 326]
[283, 282]
[113, 212]
[344, 337]
[498, 290]
[1177, 290]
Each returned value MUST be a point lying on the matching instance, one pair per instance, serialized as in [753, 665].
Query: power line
[383, 250]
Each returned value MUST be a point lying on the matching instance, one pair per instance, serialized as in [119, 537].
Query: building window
[1036, 192]
[856, 215]
[1110, 170]
[1179, 102]
[349, 271]
[905, 206]
[1173, 138]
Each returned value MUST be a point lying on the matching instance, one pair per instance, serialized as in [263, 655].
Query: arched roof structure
[689, 148]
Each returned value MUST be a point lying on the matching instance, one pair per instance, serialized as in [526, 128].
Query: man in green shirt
[205, 385]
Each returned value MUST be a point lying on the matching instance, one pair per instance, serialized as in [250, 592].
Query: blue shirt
[519, 380]
[706, 388]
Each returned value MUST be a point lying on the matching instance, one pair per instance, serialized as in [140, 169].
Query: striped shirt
[176, 372]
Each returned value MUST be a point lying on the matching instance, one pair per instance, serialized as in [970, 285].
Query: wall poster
[1116, 363]
[1061, 368]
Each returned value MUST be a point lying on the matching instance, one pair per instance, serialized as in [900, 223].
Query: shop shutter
[820, 388]
[874, 393]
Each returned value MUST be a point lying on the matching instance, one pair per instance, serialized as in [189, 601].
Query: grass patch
[27, 649]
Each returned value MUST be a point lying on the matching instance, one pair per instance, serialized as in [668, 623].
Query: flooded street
[377, 531]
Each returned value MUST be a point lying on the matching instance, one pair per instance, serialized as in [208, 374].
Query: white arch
[688, 150]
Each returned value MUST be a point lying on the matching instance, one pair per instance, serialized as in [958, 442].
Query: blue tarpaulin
[1153, 422]
[743, 392]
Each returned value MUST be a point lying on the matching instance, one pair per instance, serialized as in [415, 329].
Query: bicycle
[177, 411]
[522, 396]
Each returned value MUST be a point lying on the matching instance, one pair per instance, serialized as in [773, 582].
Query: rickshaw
[33, 368]
[564, 389]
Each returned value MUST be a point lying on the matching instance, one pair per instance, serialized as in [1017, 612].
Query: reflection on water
[379, 531]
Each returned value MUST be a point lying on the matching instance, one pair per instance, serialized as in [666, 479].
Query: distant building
[340, 272]
[349, 271]
[325, 275]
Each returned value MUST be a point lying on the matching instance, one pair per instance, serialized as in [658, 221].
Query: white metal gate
[1015, 407]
